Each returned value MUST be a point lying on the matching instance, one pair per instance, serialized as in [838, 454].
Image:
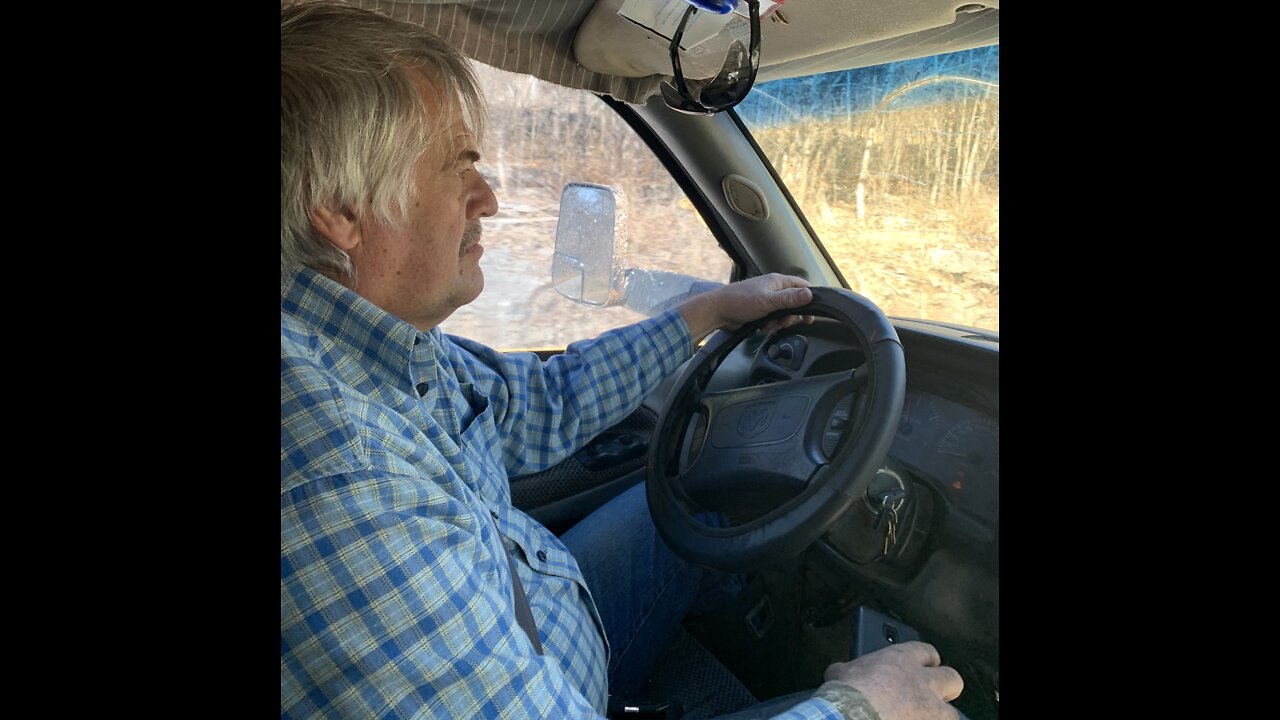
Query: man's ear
[337, 226]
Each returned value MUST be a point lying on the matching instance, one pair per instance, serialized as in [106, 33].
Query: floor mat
[690, 675]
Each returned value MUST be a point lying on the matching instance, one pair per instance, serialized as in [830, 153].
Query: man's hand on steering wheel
[731, 306]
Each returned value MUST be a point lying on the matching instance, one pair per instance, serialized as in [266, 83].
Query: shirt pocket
[483, 448]
[479, 432]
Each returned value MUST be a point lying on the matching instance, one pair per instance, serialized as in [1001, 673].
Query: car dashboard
[949, 431]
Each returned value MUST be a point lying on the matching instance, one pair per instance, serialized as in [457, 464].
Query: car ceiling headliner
[585, 44]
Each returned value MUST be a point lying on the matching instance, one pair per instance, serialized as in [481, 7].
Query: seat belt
[524, 614]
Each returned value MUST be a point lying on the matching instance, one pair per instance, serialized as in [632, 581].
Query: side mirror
[590, 262]
[591, 244]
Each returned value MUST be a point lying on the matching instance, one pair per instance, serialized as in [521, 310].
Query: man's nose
[484, 203]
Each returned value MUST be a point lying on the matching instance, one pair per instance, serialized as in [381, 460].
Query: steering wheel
[717, 445]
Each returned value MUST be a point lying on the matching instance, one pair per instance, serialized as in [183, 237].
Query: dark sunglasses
[728, 87]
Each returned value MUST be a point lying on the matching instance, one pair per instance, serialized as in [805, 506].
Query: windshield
[897, 168]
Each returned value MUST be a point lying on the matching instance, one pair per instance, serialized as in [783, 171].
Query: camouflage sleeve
[848, 700]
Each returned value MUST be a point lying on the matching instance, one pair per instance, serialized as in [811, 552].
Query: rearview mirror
[591, 244]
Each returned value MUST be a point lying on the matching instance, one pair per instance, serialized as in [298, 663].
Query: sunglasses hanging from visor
[737, 73]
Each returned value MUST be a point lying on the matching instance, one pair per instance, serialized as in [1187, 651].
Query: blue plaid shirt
[395, 591]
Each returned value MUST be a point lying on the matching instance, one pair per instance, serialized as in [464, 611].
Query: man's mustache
[471, 236]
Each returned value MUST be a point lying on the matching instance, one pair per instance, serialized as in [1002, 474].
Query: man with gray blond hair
[409, 584]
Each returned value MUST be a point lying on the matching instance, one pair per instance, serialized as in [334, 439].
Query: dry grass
[927, 243]
[945, 266]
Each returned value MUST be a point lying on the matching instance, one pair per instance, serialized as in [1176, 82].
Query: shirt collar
[355, 325]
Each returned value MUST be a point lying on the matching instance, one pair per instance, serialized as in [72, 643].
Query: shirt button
[494, 513]
[542, 555]
[422, 389]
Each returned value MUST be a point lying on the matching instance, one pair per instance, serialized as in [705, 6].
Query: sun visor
[610, 44]
[586, 44]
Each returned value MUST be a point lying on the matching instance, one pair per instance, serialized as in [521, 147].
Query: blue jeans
[642, 589]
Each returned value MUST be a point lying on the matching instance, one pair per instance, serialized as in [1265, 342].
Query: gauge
[918, 413]
[971, 451]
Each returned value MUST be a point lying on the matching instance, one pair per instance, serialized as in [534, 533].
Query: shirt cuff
[671, 339]
[851, 703]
